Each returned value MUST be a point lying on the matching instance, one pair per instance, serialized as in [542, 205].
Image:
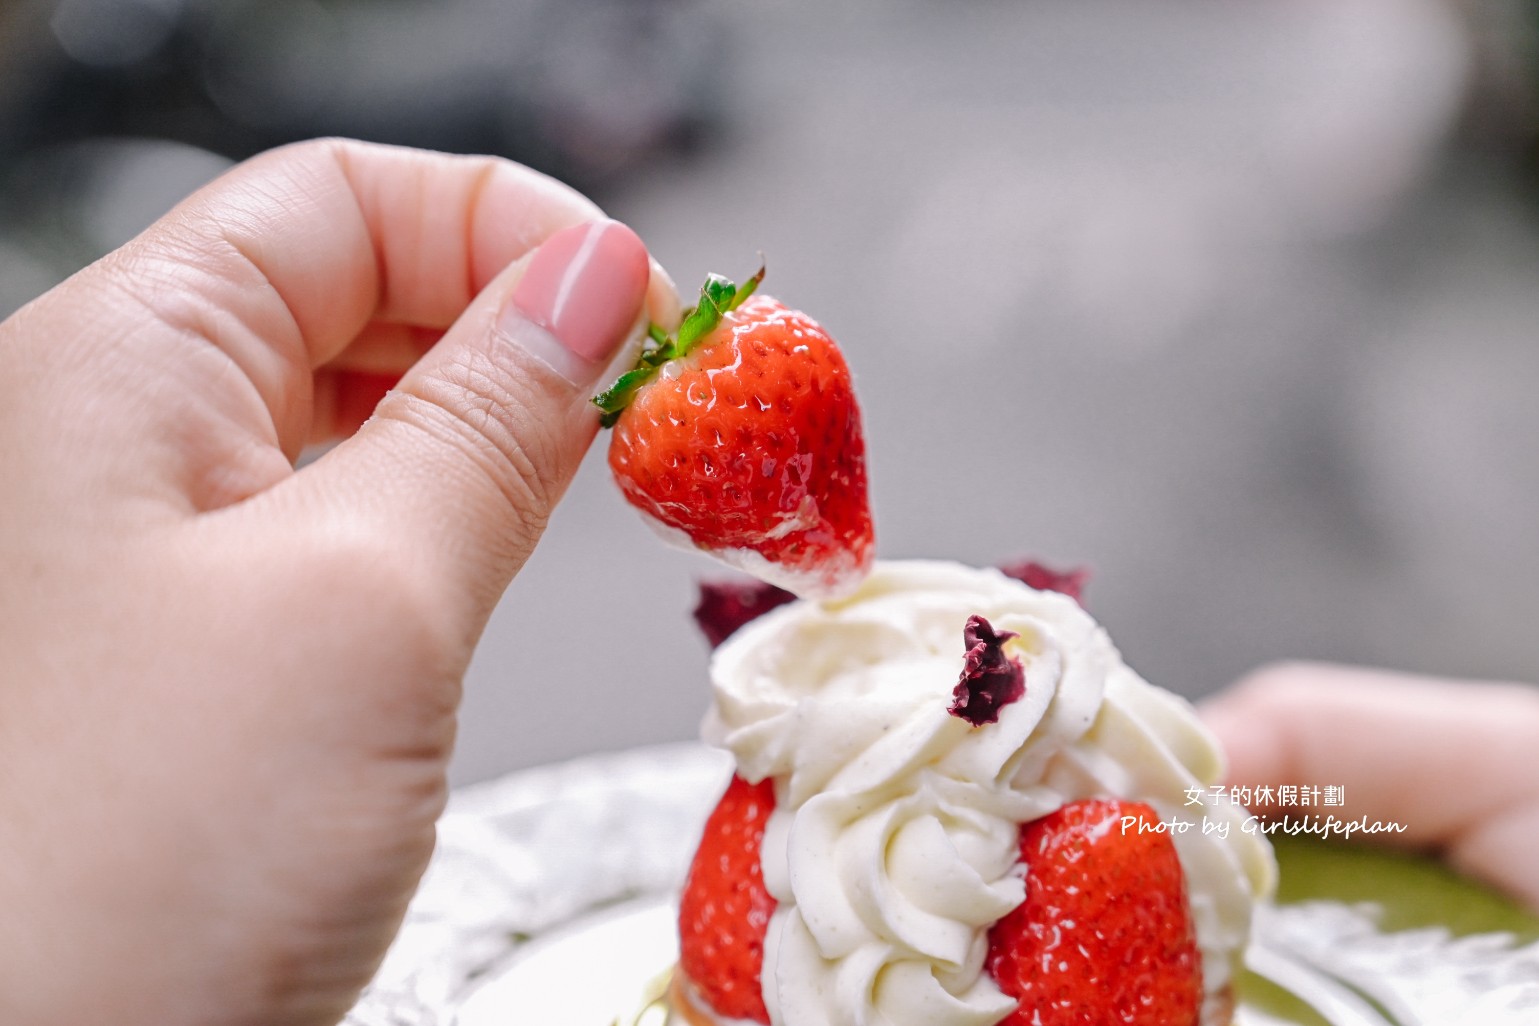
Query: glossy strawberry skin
[1105, 933]
[725, 910]
[753, 442]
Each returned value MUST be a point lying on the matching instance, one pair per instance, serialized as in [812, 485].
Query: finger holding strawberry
[740, 436]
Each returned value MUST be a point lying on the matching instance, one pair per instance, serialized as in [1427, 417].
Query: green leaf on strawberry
[718, 296]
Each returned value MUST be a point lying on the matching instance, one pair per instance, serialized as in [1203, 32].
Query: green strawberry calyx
[718, 297]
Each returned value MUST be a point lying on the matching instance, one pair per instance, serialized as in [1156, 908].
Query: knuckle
[1524, 701]
[1270, 684]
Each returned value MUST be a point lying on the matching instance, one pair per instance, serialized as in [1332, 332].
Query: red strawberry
[1105, 934]
[725, 909]
[743, 433]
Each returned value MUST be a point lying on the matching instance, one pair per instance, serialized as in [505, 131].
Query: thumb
[465, 458]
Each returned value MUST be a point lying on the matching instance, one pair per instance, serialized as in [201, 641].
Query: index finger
[198, 341]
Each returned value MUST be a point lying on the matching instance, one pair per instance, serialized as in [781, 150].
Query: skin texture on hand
[229, 688]
[1452, 760]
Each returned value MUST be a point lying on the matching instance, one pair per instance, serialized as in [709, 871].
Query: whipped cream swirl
[893, 846]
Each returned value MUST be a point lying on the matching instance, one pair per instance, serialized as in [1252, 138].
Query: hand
[1453, 761]
[229, 688]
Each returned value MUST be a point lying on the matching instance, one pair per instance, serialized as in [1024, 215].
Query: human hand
[1452, 761]
[229, 688]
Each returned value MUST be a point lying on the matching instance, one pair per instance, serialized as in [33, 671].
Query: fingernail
[579, 298]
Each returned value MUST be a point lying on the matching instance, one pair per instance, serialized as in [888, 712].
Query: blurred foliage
[111, 110]
[584, 89]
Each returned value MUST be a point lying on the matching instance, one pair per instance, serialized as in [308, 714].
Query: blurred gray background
[1236, 303]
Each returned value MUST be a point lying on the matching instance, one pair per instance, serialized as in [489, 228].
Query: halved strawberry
[742, 433]
[725, 909]
[1105, 933]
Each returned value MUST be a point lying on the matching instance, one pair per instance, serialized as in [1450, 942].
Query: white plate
[549, 902]
[593, 971]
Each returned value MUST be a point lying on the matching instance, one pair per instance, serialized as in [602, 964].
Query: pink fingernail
[583, 287]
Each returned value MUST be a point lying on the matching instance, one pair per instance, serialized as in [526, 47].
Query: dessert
[963, 808]
[953, 804]
[740, 436]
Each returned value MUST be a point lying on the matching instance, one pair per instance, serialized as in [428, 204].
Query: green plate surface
[1413, 892]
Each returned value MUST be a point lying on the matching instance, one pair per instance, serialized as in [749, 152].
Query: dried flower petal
[990, 680]
[725, 606]
[1034, 575]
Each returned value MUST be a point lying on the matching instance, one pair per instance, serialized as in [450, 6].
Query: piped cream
[893, 846]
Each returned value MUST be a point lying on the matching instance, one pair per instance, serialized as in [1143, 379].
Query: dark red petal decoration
[725, 606]
[990, 680]
[1034, 575]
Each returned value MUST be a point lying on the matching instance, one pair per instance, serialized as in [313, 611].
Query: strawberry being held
[741, 434]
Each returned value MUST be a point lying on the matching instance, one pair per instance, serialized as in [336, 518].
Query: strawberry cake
[955, 804]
